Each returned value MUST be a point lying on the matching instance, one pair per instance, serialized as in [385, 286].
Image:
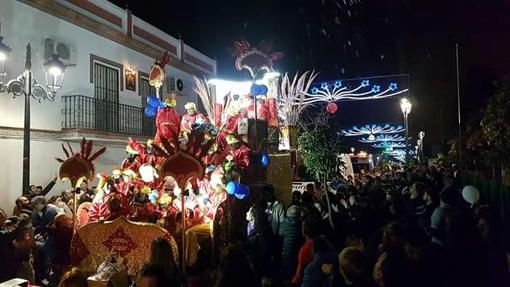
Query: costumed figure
[262, 109]
[167, 123]
[239, 151]
[108, 203]
[191, 118]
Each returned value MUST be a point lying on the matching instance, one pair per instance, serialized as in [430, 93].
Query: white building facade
[109, 52]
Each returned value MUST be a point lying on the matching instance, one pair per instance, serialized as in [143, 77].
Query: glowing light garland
[383, 138]
[372, 130]
[400, 154]
[335, 91]
[389, 145]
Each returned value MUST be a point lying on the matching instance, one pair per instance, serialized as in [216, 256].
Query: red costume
[241, 156]
[262, 111]
[167, 124]
[188, 121]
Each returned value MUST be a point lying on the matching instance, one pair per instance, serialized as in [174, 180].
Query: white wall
[22, 24]
[43, 166]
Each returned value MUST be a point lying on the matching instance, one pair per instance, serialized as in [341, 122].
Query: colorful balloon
[470, 194]
[263, 90]
[255, 90]
[153, 101]
[242, 191]
[232, 188]
[264, 160]
[150, 111]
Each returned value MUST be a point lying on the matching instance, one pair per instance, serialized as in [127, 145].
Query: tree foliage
[321, 148]
[488, 135]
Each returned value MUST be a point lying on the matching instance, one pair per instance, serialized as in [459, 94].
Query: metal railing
[82, 112]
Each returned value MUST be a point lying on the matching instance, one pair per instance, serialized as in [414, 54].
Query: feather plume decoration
[88, 149]
[202, 90]
[291, 100]
[97, 154]
[70, 148]
[82, 146]
[65, 151]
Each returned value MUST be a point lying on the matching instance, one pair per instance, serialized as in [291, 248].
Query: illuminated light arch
[334, 91]
[383, 138]
[372, 130]
[389, 145]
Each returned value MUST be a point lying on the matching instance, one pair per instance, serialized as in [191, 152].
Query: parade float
[202, 170]
[195, 178]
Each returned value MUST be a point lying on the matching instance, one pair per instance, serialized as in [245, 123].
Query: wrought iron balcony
[82, 112]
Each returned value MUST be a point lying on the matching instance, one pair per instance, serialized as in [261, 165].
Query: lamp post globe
[405, 106]
[4, 52]
[54, 71]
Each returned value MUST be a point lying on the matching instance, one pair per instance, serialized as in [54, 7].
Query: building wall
[43, 166]
[24, 22]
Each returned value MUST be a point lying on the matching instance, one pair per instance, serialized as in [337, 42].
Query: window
[106, 92]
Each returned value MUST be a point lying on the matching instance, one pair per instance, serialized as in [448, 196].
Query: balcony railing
[82, 112]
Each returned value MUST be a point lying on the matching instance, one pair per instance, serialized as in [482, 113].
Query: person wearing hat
[239, 151]
[192, 117]
[167, 123]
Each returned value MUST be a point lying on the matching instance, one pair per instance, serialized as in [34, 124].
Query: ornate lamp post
[25, 85]
[405, 106]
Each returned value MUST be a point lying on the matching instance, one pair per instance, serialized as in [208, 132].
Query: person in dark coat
[259, 242]
[42, 217]
[324, 269]
[43, 214]
[290, 231]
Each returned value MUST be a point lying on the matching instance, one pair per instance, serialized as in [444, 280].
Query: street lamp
[405, 105]
[25, 85]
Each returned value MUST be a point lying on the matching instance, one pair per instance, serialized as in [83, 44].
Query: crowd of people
[386, 228]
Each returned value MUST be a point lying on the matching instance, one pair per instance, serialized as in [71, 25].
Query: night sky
[360, 38]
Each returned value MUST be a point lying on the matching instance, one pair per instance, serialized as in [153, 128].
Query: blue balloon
[265, 160]
[242, 191]
[153, 101]
[150, 111]
[232, 188]
[255, 90]
[263, 90]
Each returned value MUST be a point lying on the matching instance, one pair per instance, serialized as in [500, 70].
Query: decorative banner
[94, 242]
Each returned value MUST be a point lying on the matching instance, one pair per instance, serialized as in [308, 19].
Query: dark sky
[360, 38]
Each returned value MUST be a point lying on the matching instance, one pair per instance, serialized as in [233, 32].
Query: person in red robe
[239, 151]
[167, 123]
[190, 118]
[262, 109]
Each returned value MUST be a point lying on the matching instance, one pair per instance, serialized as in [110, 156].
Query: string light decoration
[400, 154]
[383, 138]
[372, 130]
[334, 91]
[390, 145]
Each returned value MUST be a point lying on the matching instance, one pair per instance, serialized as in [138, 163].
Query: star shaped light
[324, 86]
[314, 90]
[337, 84]
[393, 87]
[365, 83]
[376, 89]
